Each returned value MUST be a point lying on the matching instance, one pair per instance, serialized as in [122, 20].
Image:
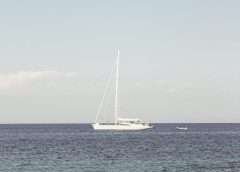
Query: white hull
[181, 128]
[120, 127]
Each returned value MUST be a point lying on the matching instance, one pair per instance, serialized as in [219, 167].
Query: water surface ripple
[77, 148]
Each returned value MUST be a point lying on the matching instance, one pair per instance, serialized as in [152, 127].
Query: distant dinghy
[119, 123]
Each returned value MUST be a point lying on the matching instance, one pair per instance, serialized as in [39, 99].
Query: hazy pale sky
[180, 60]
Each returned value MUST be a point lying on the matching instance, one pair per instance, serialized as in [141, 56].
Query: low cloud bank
[26, 78]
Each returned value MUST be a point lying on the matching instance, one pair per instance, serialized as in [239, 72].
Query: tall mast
[116, 91]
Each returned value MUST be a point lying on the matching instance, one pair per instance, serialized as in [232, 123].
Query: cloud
[22, 79]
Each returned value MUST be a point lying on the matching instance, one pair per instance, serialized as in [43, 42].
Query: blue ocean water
[76, 148]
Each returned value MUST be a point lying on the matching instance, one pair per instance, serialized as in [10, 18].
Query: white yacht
[119, 123]
[182, 128]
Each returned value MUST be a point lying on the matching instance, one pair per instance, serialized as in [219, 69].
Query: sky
[179, 60]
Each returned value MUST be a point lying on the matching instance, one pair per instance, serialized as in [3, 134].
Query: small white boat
[182, 128]
[119, 123]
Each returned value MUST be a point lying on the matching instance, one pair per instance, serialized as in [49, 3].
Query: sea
[78, 148]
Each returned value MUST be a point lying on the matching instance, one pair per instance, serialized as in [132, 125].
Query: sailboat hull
[119, 127]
